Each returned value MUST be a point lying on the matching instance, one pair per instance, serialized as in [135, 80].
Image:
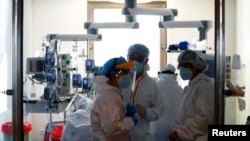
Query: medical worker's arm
[197, 125]
[157, 105]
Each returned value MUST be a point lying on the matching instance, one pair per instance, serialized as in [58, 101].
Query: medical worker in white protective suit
[197, 107]
[172, 94]
[108, 120]
[143, 94]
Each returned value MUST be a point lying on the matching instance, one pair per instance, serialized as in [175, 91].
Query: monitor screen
[85, 83]
[35, 65]
[77, 80]
[89, 64]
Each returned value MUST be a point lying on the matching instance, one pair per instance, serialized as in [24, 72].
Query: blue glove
[135, 119]
[130, 110]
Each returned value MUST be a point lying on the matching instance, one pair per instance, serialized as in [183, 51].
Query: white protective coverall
[197, 109]
[108, 121]
[172, 94]
[147, 94]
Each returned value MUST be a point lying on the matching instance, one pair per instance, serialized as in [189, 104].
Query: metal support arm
[149, 11]
[74, 37]
[93, 25]
[202, 26]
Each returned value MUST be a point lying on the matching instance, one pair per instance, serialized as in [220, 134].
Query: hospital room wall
[242, 76]
[237, 42]
[230, 42]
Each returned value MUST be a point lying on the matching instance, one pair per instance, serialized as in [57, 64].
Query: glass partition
[5, 66]
[236, 61]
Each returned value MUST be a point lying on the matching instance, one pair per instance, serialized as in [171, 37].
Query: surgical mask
[139, 67]
[185, 73]
[147, 67]
[124, 81]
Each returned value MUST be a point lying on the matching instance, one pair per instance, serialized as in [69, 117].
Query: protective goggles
[139, 59]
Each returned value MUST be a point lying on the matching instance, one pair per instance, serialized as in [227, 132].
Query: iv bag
[75, 53]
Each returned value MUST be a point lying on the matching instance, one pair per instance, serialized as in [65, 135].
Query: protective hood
[168, 76]
[101, 83]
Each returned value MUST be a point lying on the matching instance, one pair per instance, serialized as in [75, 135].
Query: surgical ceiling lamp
[168, 15]
[130, 11]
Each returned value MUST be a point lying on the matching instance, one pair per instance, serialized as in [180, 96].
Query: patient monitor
[35, 65]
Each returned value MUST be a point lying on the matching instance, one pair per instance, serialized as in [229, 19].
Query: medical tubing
[60, 72]
[70, 103]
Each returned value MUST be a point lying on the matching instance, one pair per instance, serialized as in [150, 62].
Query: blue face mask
[139, 67]
[185, 73]
[124, 81]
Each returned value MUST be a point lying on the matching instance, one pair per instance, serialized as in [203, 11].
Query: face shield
[124, 79]
[130, 65]
[133, 72]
